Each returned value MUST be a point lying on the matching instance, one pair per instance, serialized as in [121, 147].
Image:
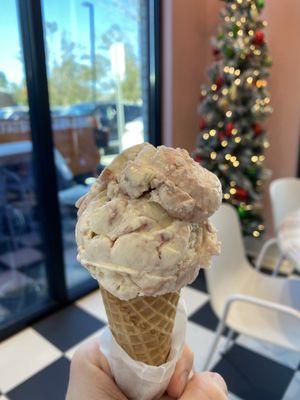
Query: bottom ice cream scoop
[135, 249]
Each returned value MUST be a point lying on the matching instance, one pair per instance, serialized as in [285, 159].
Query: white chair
[69, 196]
[285, 198]
[248, 302]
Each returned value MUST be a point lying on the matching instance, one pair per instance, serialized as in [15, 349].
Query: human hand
[91, 378]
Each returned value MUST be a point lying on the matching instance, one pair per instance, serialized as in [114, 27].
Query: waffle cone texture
[142, 326]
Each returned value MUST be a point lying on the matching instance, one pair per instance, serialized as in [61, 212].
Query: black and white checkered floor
[34, 363]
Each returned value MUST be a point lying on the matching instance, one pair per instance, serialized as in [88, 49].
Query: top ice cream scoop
[143, 227]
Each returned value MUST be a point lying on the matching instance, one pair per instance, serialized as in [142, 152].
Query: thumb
[205, 386]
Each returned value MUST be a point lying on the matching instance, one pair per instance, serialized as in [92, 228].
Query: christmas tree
[232, 139]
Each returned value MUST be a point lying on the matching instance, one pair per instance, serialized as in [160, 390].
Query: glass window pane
[23, 283]
[97, 68]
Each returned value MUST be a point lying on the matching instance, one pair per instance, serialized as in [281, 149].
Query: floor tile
[293, 391]
[280, 354]
[93, 304]
[4, 313]
[206, 317]
[193, 298]
[69, 353]
[199, 340]
[200, 283]
[12, 281]
[232, 396]
[23, 355]
[2, 266]
[31, 239]
[49, 384]
[75, 272]
[252, 376]
[36, 271]
[67, 327]
[22, 257]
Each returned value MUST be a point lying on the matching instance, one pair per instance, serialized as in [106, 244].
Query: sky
[71, 17]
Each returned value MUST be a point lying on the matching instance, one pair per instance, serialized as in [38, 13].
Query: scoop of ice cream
[175, 181]
[143, 228]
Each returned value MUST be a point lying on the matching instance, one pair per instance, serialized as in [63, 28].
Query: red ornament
[259, 38]
[198, 158]
[241, 194]
[229, 128]
[257, 129]
[202, 123]
[216, 52]
[219, 82]
[222, 135]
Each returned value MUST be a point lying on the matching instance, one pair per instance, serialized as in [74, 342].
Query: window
[23, 282]
[93, 61]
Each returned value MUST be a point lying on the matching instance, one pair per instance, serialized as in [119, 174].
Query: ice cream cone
[143, 326]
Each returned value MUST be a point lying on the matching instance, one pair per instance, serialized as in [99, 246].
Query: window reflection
[96, 59]
[23, 283]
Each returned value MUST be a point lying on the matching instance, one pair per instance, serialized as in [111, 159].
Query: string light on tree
[232, 136]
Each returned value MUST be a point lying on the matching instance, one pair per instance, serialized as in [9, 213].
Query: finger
[90, 353]
[219, 381]
[98, 358]
[205, 386]
[90, 375]
[181, 373]
[90, 382]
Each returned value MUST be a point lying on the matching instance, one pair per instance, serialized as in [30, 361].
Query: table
[289, 237]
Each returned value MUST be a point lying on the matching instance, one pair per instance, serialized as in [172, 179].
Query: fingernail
[220, 381]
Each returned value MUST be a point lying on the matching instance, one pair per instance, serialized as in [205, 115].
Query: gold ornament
[261, 83]
[254, 12]
[233, 92]
[223, 104]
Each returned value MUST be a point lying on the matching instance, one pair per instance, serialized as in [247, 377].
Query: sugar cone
[142, 326]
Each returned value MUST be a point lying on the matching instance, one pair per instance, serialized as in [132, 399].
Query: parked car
[22, 112]
[14, 112]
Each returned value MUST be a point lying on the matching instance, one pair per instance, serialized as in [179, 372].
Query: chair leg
[263, 251]
[215, 342]
[228, 340]
[278, 265]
